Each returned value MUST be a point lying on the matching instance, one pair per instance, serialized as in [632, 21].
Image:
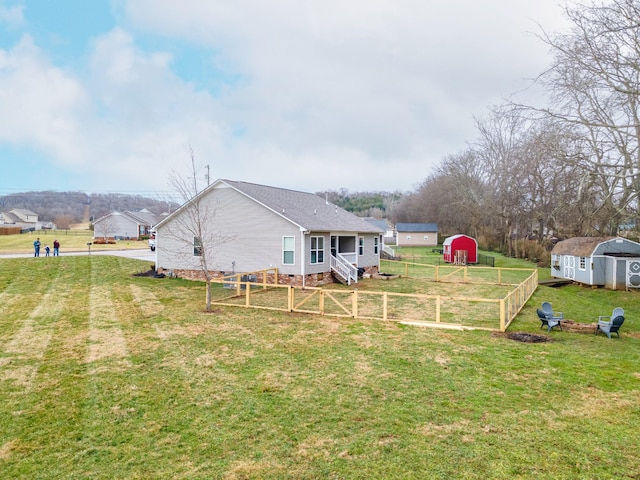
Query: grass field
[70, 240]
[107, 375]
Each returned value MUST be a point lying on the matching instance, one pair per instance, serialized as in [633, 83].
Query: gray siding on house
[249, 232]
[249, 235]
[115, 225]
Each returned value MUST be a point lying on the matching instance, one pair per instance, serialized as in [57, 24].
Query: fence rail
[430, 310]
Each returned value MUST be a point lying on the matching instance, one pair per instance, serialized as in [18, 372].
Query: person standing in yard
[36, 247]
[47, 250]
[56, 248]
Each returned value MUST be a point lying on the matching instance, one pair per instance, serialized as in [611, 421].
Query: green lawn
[107, 375]
[70, 240]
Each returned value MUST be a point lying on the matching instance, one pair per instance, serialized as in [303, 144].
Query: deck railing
[342, 267]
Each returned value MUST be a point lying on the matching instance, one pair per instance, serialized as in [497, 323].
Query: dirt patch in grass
[576, 327]
[524, 337]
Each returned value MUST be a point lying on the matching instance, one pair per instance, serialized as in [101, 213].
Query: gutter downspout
[302, 257]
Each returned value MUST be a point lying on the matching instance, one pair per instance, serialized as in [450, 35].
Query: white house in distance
[126, 225]
[19, 217]
[612, 262]
[301, 234]
[416, 234]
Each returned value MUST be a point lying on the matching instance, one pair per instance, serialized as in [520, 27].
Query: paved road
[138, 254]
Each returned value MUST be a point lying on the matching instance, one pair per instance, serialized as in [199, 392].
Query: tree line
[569, 168]
[67, 208]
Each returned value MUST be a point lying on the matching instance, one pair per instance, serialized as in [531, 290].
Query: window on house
[376, 245]
[288, 250]
[360, 245]
[583, 263]
[197, 247]
[317, 250]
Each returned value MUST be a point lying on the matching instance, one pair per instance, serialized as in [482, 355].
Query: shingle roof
[144, 217]
[416, 227]
[578, 246]
[307, 210]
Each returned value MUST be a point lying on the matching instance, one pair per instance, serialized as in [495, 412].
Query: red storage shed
[460, 250]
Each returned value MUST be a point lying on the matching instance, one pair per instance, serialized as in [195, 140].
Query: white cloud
[366, 95]
[12, 16]
[41, 104]
[391, 81]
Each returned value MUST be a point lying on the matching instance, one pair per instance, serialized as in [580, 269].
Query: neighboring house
[25, 216]
[416, 234]
[460, 249]
[612, 262]
[126, 225]
[388, 237]
[301, 234]
[18, 217]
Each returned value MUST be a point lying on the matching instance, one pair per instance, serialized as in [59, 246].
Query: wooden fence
[447, 311]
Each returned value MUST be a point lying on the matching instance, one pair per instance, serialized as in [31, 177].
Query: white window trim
[197, 247]
[317, 250]
[582, 264]
[293, 250]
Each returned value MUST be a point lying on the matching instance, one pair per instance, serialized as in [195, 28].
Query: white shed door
[633, 273]
[569, 267]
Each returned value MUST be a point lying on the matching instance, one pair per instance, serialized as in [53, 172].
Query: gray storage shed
[612, 262]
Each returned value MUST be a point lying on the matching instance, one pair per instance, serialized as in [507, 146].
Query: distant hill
[66, 208]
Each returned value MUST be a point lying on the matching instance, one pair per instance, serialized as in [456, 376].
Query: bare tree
[595, 86]
[194, 232]
[108, 226]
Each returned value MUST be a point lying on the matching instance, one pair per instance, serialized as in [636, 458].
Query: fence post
[321, 302]
[437, 273]
[289, 297]
[466, 274]
[503, 315]
[438, 309]
[406, 269]
[355, 303]
[247, 301]
[385, 298]
[238, 286]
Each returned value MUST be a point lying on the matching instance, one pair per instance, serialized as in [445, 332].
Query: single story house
[388, 237]
[612, 262]
[126, 225]
[249, 227]
[416, 234]
[460, 249]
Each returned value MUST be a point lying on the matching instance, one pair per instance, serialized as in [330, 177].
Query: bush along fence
[261, 290]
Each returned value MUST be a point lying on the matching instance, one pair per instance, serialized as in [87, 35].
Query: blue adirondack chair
[611, 324]
[548, 310]
[547, 320]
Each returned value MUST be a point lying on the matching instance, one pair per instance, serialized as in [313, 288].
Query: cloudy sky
[108, 95]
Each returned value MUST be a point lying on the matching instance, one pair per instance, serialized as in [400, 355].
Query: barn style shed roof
[587, 246]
